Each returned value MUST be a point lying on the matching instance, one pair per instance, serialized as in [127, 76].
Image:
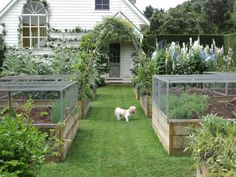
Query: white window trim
[101, 11]
[38, 27]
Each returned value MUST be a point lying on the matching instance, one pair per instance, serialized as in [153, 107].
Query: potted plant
[213, 147]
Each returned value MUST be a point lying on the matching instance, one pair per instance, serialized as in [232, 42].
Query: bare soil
[224, 106]
[37, 115]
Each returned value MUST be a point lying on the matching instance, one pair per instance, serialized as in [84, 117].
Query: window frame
[101, 10]
[115, 53]
[38, 37]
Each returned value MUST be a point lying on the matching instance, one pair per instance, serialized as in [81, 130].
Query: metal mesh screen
[169, 89]
[58, 97]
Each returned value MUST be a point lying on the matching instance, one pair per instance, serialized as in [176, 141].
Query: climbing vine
[108, 31]
[94, 50]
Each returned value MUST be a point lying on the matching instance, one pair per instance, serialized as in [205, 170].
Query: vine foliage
[94, 50]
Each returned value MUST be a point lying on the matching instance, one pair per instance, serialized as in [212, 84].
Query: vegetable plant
[213, 146]
[183, 106]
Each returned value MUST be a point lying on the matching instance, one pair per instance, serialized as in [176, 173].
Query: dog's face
[132, 109]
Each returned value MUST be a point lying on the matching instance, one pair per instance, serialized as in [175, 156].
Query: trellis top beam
[205, 78]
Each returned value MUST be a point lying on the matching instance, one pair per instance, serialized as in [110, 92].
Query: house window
[115, 53]
[102, 5]
[34, 25]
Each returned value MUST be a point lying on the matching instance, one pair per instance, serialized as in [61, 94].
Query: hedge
[205, 39]
[149, 41]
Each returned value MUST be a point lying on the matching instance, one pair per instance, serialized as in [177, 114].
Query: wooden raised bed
[146, 104]
[137, 93]
[84, 105]
[172, 133]
[65, 131]
[201, 171]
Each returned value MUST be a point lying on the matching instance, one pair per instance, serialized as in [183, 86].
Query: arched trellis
[95, 43]
[112, 26]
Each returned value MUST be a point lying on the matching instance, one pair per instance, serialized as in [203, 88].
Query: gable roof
[137, 11]
[131, 5]
[7, 7]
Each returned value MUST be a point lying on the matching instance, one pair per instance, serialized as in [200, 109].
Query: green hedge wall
[205, 39]
[230, 42]
[149, 41]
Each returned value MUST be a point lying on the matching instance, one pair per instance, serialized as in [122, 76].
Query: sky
[141, 4]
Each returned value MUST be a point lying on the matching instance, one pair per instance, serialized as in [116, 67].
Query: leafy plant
[22, 62]
[23, 147]
[87, 76]
[185, 105]
[213, 145]
[64, 60]
[44, 114]
[143, 73]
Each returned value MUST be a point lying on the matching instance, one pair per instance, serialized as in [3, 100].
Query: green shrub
[22, 147]
[184, 105]
[214, 146]
[143, 73]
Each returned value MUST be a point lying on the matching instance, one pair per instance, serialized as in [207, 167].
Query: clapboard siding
[67, 15]
[126, 60]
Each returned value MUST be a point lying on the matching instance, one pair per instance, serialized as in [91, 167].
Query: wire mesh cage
[24, 78]
[192, 96]
[52, 100]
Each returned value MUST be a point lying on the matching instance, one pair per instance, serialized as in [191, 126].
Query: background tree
[217, 14]
[149, 11]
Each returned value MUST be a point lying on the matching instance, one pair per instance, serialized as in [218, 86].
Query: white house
[28, 24]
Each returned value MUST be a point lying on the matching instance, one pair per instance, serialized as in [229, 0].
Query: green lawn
[106, 147]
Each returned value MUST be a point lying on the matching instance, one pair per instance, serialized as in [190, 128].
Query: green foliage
[64, 60]
[94, 55]
[27, 107]
[160, 60]
[87, 76]
[22, 62]
[216, 14]
[194, 17]
[143, 72]
[150, 39]
[185, 105]
[149, 42]
[44, 114]
[22, 147]
[213, 145]
[148, 11]
[205, 39]
[195, 64]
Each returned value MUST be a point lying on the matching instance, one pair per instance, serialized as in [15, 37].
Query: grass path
[105, 147]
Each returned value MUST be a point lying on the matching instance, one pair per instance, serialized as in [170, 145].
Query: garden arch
[108, 32]
[115, 28]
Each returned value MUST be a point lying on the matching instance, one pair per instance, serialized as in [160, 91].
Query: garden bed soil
[39, 115]
[219, 104]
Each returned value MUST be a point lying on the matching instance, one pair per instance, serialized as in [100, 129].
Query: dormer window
[102, 4]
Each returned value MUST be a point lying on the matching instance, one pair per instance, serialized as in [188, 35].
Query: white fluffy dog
[126, 113]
